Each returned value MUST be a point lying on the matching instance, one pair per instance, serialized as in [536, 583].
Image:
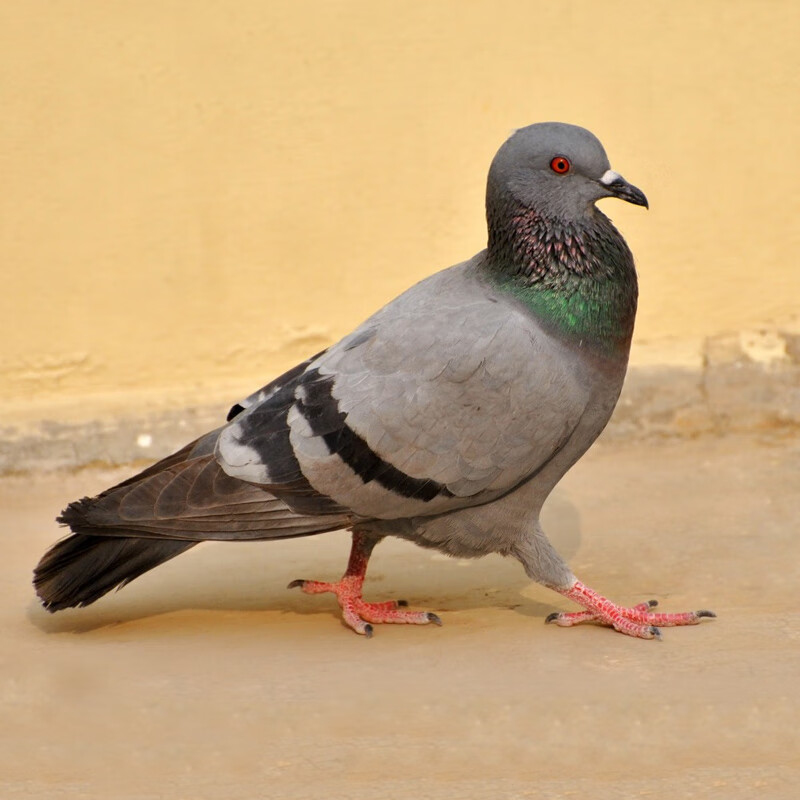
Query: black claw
[705, 613]
[402, 603]
[656, 632]
[652, 603]
[434, 618]
[368, 631]
[295, 583]
[552, 617]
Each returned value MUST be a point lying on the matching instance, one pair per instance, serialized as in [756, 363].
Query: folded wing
[450, 396]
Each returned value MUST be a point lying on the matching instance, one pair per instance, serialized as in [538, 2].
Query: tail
[155, 516]
[81, 569]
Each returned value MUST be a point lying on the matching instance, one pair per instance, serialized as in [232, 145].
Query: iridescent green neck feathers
[578, 279]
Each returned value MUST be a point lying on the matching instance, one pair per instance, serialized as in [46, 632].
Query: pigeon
[445, 419]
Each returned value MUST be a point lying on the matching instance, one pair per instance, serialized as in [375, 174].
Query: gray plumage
[446, 418]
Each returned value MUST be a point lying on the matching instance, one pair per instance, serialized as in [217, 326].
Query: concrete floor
[207, 679]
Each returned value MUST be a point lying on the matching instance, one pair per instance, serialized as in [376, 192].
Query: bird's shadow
[252, 577]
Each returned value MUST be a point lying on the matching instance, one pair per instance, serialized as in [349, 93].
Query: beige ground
[207, 679]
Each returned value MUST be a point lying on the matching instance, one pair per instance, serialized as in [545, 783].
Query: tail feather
[80, 569]
[156, 515]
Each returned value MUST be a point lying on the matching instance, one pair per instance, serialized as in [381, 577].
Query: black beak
[617, 186]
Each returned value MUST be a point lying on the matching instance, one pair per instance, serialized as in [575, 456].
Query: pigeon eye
[560, 165]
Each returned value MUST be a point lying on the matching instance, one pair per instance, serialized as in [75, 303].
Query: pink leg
[637, 621]
[358, 614]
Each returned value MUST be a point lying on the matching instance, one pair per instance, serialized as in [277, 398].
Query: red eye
[560, 165]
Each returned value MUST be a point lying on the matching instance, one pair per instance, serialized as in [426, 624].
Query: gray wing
[187, 496]
[448, 397]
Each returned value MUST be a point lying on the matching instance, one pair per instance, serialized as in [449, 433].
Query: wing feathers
[443, 399]
[192, 500]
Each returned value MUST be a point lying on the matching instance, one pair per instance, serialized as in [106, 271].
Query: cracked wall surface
[194, 200]
[748, 382]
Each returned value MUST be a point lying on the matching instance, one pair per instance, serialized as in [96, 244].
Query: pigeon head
[557, 170]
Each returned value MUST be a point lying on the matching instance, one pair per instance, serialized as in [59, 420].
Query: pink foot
[637, 621]
[358, 613]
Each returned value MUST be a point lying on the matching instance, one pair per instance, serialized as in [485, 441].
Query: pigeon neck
[577, 277]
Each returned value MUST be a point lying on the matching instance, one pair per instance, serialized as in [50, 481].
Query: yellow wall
[196, 194]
